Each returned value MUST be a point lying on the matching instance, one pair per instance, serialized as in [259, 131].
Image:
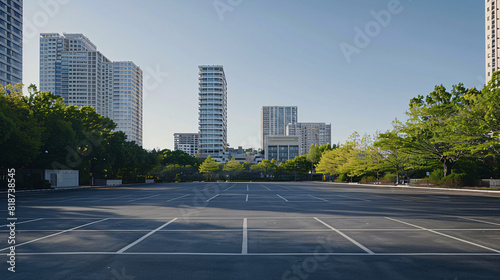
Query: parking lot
[254, 231]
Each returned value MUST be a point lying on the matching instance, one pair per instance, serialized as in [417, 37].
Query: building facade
[311, 133]
[72, 67]
[186, 142]
[11, 42]
[274, 120]
[492, 36]
[212, 121]
[282, 148]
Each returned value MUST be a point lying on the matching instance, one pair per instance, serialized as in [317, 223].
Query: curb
[71, 188]
[412, 187]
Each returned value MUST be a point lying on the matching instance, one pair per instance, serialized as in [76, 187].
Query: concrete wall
[492, 183]
[62, 178]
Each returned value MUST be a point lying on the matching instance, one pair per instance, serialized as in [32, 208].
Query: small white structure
[62, 178]
[113, 182]
[150, 181]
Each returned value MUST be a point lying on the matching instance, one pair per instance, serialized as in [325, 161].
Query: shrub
[368, 180]
[454, 180]
[436, 176]
[341, 178]
[388, 178]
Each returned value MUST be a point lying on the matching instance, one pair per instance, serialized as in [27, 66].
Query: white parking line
[247, 198]
[266, 188]
[346, 237]
[212, 197]
[248, 188]
[109, 198]
[282, 198]
[24, 222]
[144, 198]
[144, 237]
[178, 197]
[480, 221]
[445, 235]
[257, 254]
[64, 231]
[318, 198]
[244, 245]
[230, 187]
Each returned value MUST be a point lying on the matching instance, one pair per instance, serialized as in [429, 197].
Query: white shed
[62, 178]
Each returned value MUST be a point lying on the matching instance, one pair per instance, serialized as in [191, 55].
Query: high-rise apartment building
[311, 133]
[492, 37]
[186, 142]
[11, 42]
[72, 67]
[274, 120]
[212, 112]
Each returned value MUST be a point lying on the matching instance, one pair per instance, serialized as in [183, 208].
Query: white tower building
[71, 66]
[212, 112]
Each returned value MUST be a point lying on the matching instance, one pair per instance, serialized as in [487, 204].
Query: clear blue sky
[279, 52]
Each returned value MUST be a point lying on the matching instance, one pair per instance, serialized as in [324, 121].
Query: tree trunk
[447, 165]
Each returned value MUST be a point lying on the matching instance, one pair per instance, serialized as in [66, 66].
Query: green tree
[430, 132]
[313, 156]
[299, 165]
[265, 167]
[22, 138]
[232, 167]
[208, 167]
[392, 148]
[478, 121]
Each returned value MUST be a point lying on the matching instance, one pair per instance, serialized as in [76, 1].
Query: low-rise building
[282, 147]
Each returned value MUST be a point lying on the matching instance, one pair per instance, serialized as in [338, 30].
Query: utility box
[62, 178]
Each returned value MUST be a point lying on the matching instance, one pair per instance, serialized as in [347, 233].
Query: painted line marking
[247, 198]
[346, 237]
[445, 235]
[282, 198]
[248, 188]
[480, 221]
[230, 187]
[244, 245]
[287, 188]
[144, 237]
[318, 198]
[144, 198]
[266, 188]
[256, 229]
[112, 198]
[259, 254]
[212, 197]
[25, 222]
[178, 197]
[58, 233]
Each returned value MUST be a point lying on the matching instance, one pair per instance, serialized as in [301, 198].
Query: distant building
[311, 133]
[213, 112]
[492, 37]
[186, 142]
[71, 66]
[11, 42]
[274, 120]
[281, 147]
[240, 155]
